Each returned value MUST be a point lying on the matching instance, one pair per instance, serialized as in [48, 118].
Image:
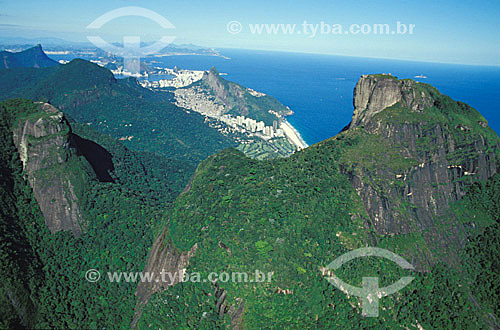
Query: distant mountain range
[61, 44]
[143, 119]
[89, 93]
[30, 58]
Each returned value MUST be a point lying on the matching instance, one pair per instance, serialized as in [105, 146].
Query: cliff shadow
[99, 158]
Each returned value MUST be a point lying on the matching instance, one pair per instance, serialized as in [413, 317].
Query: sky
[447, 31]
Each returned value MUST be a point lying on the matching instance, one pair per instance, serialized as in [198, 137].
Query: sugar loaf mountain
[414, 172]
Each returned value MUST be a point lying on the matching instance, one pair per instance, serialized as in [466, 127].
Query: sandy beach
[293, 135]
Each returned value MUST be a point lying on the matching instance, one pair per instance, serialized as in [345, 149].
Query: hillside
[188, 123]
[115, 197]
[30, 58]
[242, 101]
[415, 172]
[410, 152]
[144, 120]
[259, 118]
[405, 175]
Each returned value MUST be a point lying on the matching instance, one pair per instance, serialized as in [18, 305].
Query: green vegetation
[254, 209]
[287, 217]
[383, 75]
[372, 152]
[42, 274]
[145, 120]
[483, 253]
[276, 147]
[189, 302]
[292, 216]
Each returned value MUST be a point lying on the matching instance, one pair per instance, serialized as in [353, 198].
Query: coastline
[290, 132]
[293, 135]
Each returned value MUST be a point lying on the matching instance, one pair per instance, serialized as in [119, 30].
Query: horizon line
[277, 50]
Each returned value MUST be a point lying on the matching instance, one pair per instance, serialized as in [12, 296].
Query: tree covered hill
[407, 175]
[121, 195]
[144, 120]
[415, 172]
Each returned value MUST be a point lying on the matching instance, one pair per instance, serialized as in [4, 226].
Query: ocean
[319, 88]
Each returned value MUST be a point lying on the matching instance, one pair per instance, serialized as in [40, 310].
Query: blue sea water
[319, 88]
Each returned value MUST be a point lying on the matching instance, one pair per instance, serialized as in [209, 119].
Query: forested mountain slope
[415, 173]
[395, 178]
[144, 120]
[121, 197]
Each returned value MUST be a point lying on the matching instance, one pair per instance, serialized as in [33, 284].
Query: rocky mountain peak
[37, 48]
[213, 79]
[413, 151]
[374, 93]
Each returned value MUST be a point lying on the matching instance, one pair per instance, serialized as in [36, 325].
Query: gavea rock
[429, 149]
[374, 93]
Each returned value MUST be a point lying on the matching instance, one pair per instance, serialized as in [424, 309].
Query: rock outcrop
[165, 258]
[162, 258]
[234, 311]
[374, 93]
[44, 144]
[237, 100]
[425, 150]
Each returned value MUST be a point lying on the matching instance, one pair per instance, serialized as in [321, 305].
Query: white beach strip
[293, 135]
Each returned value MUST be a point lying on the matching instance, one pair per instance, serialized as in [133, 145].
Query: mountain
[259, 118]
[414, 172]
[145, 120]
[410, 152]
[184, 124]
[189, 49]
[30, 58]
[44, 142]
[242, 101]
[96, 175]
[71, 198]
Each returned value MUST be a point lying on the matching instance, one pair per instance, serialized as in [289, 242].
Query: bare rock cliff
[374, 93]
[411, 152]
[163, 257]
[44, 144]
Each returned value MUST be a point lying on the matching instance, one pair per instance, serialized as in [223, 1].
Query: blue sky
[445, 31]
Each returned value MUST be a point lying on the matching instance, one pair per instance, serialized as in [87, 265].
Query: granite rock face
[165, 258]
[235, 311]
[44, 145]
[417, 126]
[162, 258]
[230, 94]
[241, 101]
[374, 93]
